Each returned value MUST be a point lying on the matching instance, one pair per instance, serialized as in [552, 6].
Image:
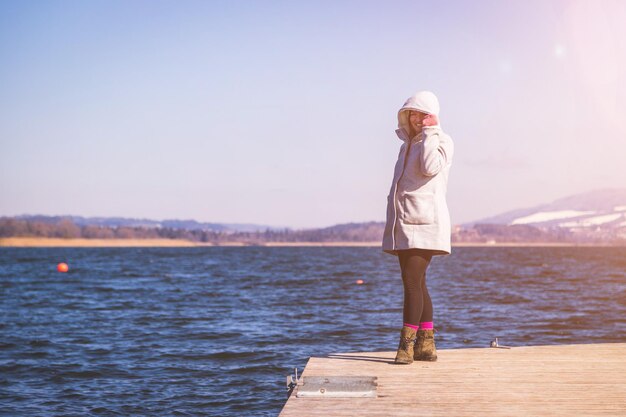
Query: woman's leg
[427, 311]
[413, 264]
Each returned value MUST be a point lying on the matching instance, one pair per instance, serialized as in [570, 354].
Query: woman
[418, 221]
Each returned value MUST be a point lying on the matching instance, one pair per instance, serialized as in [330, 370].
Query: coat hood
[424, 101]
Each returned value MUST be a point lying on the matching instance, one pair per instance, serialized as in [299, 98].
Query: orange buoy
[62, 267]
[359, 281]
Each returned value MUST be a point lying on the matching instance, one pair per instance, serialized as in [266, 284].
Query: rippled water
[215, 331]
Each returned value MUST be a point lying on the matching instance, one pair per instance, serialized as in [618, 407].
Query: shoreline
[81, 242]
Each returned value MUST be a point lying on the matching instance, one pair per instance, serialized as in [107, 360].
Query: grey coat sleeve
[437, 151]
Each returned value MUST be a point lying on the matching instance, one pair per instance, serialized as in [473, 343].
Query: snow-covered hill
[604, 209]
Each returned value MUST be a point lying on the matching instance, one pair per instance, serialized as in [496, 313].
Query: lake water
[215, 331]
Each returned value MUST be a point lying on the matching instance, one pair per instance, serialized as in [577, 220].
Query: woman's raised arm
[437, 151]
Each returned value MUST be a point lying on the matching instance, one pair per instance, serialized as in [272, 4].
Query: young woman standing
[418, 221]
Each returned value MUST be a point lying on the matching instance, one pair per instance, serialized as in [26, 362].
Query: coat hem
[436, 252]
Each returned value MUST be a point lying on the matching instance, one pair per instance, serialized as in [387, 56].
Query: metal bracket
[494, 344]
[292, 382]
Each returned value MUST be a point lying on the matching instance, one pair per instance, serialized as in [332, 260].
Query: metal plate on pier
[337, 386]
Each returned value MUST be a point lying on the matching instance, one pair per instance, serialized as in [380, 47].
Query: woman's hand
[430, 120]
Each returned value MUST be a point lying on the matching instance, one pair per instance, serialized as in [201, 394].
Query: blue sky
[283, 113]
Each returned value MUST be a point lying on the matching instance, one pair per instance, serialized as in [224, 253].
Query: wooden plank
[547, 380]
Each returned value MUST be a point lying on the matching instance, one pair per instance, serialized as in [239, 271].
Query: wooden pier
[548, 380]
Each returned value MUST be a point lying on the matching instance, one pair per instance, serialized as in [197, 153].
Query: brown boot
[425, 346]
[419, 344]
[405, 348]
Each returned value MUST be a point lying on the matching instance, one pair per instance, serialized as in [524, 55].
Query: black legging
[418, 306]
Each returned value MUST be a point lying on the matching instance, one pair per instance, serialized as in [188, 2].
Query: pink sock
[426, 325]
[411, 325]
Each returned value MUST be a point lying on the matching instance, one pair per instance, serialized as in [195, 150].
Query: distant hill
[597, 217]
[598, 208]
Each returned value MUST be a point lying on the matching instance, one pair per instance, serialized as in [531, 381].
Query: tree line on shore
[67, 229]
[349, 232]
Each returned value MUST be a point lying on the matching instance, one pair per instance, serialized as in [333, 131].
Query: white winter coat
[417, 211]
